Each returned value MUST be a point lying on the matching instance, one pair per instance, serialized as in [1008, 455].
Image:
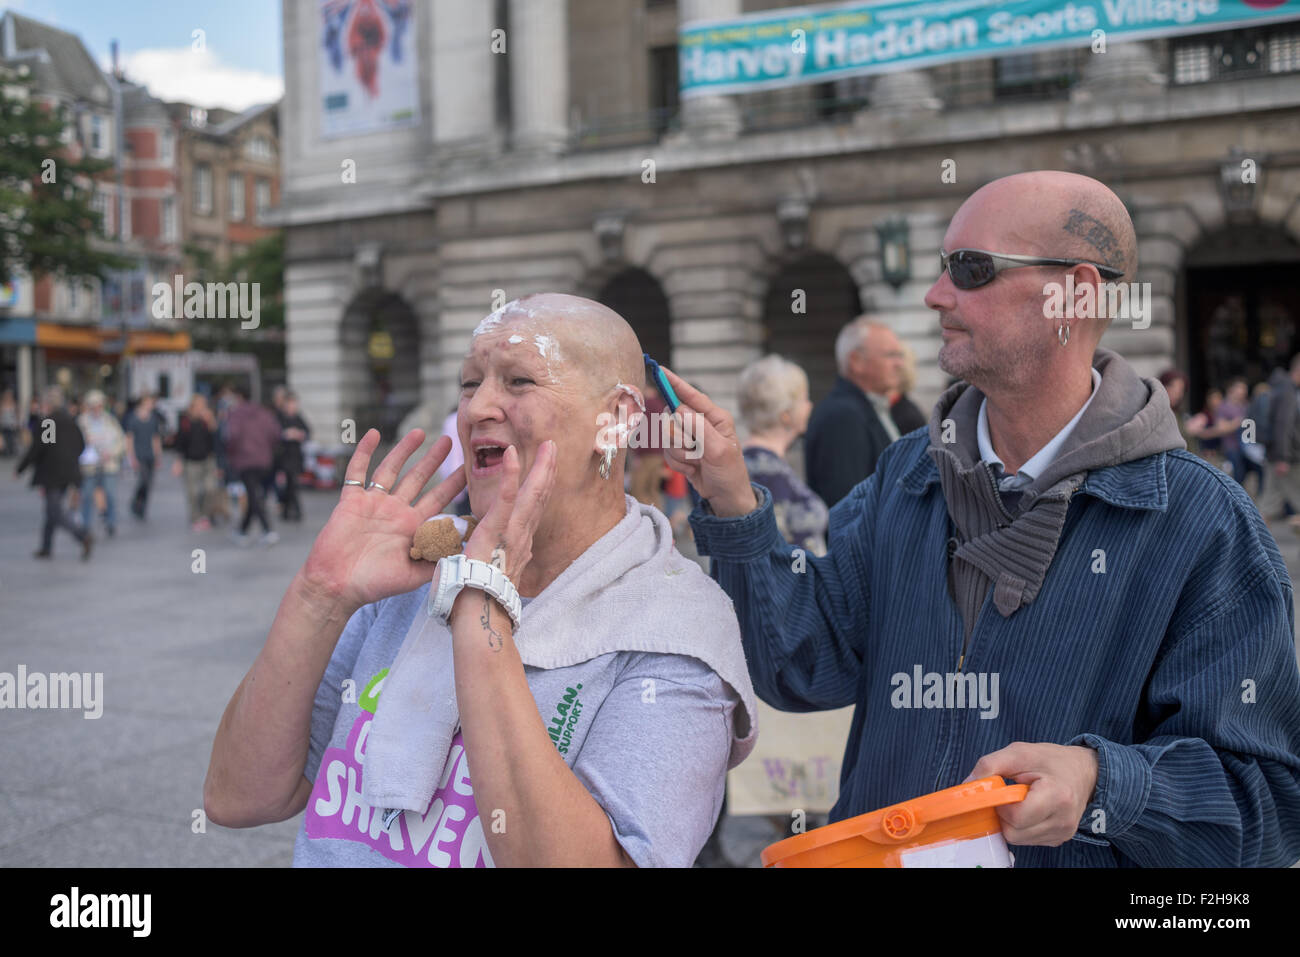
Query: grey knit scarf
[1129, 418]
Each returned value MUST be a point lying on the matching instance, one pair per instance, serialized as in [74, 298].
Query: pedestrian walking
[252, 434]
[1255, 435]
[56, 446]
[8, 424]
[1283, 486]
[101, 461]
[196, 461]
[144, 428]
[294, 432]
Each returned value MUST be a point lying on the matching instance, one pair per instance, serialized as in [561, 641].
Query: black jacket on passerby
[290, 458]
[194, 440]
[844, 439]
[55, 464]
[1283, 445]
[907, 415]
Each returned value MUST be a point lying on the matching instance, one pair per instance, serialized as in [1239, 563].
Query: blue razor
[661, 383]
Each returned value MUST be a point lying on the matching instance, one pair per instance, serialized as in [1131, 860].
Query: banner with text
[814, 44]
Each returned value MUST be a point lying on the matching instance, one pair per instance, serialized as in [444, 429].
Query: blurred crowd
[1248, 431]
[233, 454]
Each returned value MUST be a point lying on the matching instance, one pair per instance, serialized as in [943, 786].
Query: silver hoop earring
[607, 461]
[1063, 333]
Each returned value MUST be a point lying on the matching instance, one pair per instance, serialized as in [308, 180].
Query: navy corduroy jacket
[1163, 637]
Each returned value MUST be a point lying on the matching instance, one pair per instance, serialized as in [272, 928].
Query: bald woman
[571, 693]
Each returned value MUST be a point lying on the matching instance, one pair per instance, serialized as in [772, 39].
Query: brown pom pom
[436, 540]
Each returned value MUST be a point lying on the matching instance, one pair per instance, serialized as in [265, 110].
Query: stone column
[715, 299]
[903, 91]
[538, 46]
[316, 295]
[709, 117]
[1164, 233]
[464, 84]
[1125, 70]
[25, 388]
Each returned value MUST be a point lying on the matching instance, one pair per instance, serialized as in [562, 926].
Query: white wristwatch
[457, 571]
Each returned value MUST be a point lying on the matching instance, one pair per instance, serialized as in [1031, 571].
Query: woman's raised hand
[505, 535]
[363, 552]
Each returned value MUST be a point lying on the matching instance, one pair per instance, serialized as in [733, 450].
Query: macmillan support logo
[567, 713]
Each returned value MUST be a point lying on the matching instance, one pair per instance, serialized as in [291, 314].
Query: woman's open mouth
[488, 460]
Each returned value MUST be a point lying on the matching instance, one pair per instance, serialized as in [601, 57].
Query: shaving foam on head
[492, 319]
[547, 347]
[634, 392]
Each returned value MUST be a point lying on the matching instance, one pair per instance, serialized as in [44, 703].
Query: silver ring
[354, 482]
[376, 485]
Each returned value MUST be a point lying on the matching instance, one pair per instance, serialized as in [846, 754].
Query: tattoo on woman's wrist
[496, 641]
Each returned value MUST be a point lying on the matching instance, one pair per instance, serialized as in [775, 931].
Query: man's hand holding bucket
[1061, 782]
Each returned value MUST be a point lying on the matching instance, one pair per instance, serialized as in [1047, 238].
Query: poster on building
[800, 45]
[794, 766]
[369, 66]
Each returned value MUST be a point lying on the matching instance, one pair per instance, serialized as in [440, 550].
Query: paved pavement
[172, 644]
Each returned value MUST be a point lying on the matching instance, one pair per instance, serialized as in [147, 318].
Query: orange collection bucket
[956, 827]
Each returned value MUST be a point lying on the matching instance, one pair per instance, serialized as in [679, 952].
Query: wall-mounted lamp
[895, 251]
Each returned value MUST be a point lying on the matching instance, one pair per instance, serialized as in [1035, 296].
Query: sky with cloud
[239, 61]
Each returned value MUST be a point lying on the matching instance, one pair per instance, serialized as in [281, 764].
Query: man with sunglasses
[1052, 539]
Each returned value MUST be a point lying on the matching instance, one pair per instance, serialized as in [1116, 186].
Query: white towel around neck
[630, 591]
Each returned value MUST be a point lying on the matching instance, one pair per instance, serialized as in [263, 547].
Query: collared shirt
[1041, 459]
[881, 404]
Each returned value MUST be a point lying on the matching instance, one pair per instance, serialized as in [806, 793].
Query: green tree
[47, 224]
[262, 263]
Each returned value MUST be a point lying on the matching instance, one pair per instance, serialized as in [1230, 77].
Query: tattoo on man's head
[1097, 235]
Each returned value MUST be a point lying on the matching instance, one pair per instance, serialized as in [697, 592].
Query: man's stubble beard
[1007, 367]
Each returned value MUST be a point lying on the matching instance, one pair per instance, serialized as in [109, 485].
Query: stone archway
[380, 375]
[808, 301]
[1242, 305]
[638, 297]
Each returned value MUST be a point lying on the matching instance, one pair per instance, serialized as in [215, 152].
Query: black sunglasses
[972, 268]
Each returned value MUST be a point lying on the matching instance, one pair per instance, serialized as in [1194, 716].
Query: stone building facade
[564, 163]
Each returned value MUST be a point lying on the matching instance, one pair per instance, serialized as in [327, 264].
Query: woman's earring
[1063, 333]
[607, 460]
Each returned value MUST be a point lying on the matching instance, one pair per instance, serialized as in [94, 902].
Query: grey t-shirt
[143, 432]
[648, 735]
